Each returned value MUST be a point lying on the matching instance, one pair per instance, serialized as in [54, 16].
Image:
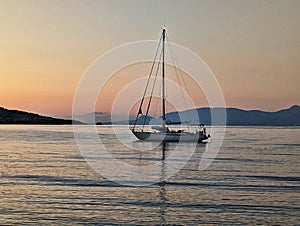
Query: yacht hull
[171, 137]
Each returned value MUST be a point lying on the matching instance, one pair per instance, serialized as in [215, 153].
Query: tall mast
[163, 78]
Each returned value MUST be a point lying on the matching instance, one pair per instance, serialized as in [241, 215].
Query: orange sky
[125, 76]
[253, 47]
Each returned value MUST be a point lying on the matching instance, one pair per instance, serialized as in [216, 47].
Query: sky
[253, 47]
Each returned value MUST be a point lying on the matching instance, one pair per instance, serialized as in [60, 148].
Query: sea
[47, 179]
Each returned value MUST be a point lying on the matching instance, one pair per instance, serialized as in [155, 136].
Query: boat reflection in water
[163, 183]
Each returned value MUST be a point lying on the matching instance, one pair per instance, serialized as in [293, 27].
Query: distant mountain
[21, 117]
[285, 117]
[98, 117]
[235, 117]
[90, 118]
[239, 117]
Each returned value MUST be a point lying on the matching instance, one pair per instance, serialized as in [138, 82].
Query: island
[21, 117]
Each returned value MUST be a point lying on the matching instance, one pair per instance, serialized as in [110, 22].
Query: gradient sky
[253, 47]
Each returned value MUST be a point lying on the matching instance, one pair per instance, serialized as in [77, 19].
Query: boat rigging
[163, 132]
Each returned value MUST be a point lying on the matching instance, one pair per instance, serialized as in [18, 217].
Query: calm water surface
[254, 180]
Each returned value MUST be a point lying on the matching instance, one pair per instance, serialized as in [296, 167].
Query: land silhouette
[22, 117]
[235, 117]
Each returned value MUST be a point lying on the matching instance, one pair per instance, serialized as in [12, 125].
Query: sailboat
[164, 132]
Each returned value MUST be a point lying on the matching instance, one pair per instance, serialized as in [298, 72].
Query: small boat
[164, 132]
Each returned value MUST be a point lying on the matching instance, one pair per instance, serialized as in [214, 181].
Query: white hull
[171, 137]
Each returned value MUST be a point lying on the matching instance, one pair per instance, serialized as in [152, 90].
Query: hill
[21, 117]
[235, 117]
